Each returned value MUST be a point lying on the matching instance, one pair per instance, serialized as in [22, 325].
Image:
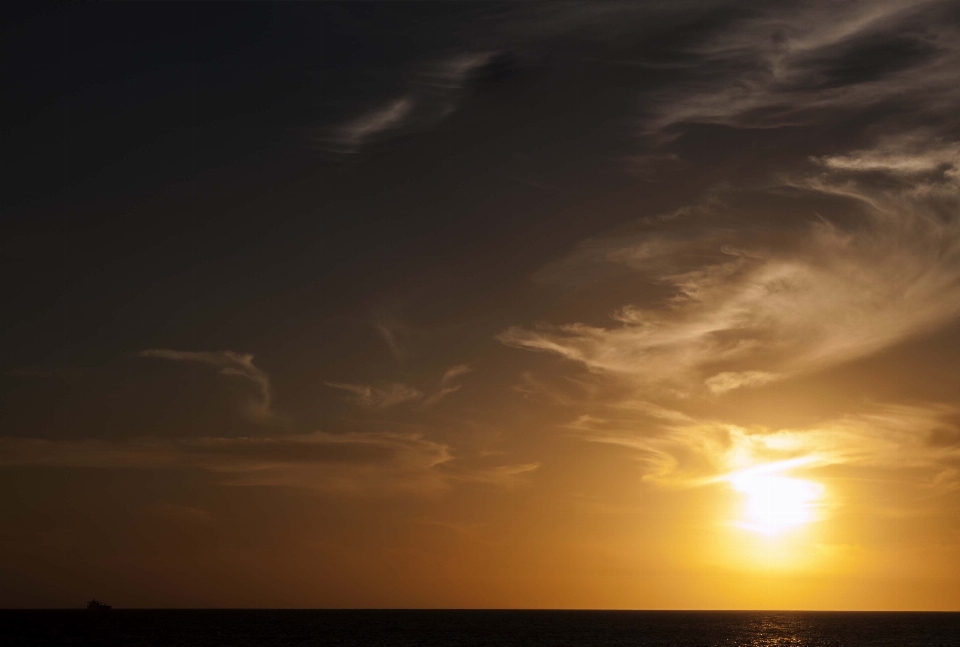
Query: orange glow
[588, 304]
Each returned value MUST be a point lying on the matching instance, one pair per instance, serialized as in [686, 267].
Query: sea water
[443, 628]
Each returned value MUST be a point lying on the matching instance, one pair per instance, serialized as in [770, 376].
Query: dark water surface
[477, 628]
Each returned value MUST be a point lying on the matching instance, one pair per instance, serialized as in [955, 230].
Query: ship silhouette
[96, 605]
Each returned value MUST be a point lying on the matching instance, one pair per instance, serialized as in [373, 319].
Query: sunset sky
[631, 305]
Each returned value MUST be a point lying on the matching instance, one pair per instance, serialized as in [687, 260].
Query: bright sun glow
[775, 503]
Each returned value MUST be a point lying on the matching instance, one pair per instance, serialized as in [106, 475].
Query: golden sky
[589, 305]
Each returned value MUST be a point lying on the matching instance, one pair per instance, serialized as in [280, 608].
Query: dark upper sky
[307, 248]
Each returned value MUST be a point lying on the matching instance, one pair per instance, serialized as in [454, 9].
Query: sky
[626, 305]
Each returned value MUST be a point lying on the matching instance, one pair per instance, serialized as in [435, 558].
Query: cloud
[391, 116]
[378, 397]
[790, 64]
[905, 156]
[454, 72]
[358, 463]
[230, 363]
[434, 92]
[745, 316]
[919, 440]
[744, 307]
[504, 476]
[389, 332]
[446, 387]
[763, 65]
[531, 388]
[729, 380]
[350, 463]
[454, 372]
[441, 393]
[396, 393]
[638, 249]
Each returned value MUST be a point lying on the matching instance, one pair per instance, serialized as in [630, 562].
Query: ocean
[429, 628]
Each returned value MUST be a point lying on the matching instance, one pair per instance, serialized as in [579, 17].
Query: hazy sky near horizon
[564, 304]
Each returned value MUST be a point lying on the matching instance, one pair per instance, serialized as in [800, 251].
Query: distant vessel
[96, 605]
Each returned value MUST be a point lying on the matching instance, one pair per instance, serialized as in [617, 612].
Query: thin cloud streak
[503, 476]
[434, 94]
[391, 116]
[454, 372]
[389, 333]
[903, 156]
[384, 397]
[440, 394]
[446, 387]
[229, 363]
[393, 394]
[347, 463]
[356, 463]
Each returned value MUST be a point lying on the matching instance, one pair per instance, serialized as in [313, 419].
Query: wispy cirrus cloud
[395, 335]
[229, 363]
[391, 116]
[447, 385]
[394, 393]
[351, 463]
[750, 314]
[922, 440]
[504, 476]
[790, 64]
[381, 397]
[454, 372]
[434, 92]
[357, 463]
[904, 156]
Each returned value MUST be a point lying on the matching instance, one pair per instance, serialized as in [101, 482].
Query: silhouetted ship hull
[96, 605]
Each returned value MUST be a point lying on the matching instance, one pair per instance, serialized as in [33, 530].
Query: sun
[775, 503]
